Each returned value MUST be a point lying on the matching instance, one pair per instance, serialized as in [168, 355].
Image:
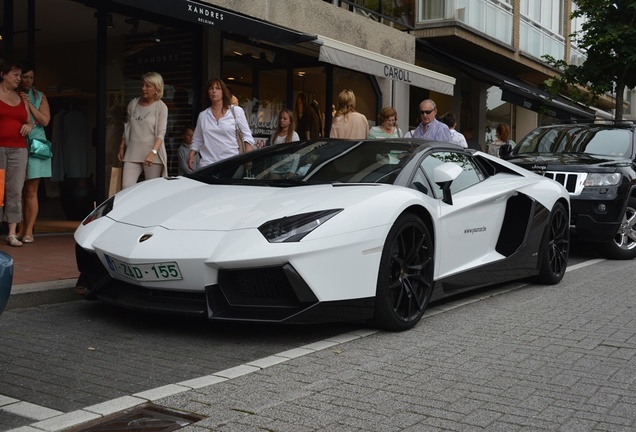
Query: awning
[221, 19]
[514, 90]
[365, 61]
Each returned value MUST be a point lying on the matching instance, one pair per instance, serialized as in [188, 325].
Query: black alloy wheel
[405, 279]
[555, 247]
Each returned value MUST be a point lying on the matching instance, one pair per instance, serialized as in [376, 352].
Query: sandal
[12, 240]
[27, 239]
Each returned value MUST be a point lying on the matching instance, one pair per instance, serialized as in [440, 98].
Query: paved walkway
[43, 271]
[50, 258]
[539, 358]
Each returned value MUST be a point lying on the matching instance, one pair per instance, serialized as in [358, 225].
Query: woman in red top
[15, 125]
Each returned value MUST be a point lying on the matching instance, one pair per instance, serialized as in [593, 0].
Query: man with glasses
[430, 128]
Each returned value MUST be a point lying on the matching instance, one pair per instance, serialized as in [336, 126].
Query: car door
[468, 229]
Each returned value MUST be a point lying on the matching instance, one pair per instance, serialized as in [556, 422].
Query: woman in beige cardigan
[348, 123]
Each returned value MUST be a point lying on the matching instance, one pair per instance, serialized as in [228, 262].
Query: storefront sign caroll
[397, 74]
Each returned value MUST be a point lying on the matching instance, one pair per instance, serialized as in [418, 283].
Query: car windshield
[313, 162]
[591, 140]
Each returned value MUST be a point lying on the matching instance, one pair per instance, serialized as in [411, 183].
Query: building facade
[480, 59]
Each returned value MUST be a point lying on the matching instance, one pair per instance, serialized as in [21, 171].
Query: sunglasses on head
[427, 112]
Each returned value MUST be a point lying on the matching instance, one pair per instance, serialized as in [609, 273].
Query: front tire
[555, 247]
[405, 278]
[623, 245]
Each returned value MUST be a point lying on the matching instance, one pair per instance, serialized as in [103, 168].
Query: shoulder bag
[239, 133]
[40, 148]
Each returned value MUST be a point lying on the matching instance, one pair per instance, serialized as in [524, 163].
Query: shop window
[497, 111]
[311, 81]
[366, 97]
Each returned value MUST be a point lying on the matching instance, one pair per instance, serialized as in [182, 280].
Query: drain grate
[144, 418]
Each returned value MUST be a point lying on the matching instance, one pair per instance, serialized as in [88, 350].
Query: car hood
[187, 204]
[550, 161]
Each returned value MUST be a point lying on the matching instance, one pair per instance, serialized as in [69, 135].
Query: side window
[420, 183]
[470, 172]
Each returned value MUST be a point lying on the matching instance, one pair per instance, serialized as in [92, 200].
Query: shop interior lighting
[109, 21]
[157, 34]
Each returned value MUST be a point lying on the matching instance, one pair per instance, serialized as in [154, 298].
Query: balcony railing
[486, 16]
[538, 42]
[394, 13]
[577, 57]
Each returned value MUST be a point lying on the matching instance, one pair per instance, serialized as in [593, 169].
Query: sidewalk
[44, 271]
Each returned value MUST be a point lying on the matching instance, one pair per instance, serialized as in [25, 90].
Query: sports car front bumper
[268, 294]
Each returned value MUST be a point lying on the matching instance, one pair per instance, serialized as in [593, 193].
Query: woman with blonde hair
[348, 123]
[142, 147]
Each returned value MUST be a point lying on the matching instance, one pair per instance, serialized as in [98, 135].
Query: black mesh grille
[262, 286]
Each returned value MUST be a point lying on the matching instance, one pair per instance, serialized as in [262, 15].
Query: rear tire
[555, 247]
[405, 278]
[623, 245]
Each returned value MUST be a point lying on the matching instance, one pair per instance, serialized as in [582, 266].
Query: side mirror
[443, 176]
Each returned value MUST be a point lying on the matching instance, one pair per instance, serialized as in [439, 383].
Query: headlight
[596, 179]
[103, 209]
[294, 228]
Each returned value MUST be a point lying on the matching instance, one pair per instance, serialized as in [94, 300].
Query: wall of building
[319, 17]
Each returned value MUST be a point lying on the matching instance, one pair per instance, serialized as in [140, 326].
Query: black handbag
[40, 148]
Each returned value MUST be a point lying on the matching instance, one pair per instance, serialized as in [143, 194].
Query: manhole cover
[144, 418]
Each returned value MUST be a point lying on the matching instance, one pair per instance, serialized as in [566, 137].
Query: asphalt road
[67, 356]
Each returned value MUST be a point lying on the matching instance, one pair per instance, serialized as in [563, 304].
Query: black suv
[597, 164]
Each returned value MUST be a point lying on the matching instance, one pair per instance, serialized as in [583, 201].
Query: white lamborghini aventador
[325, 230]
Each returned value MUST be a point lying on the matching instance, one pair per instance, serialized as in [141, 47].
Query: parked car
[596, 164]
[325, 230]
[6, 279]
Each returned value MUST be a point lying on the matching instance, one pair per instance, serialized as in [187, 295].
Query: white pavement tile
[6, 400]
[345, 337]
[267, 361]
[32, 411]
[161, 392]
[115, 405]
[236, 371]
[25, 429]
[365, 332]
[296, 352]
[66, 421]
[321, 345]
[203, 381]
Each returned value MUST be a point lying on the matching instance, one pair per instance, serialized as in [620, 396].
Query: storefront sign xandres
[205, 14]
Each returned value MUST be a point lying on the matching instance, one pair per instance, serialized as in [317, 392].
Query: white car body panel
[209, 230]
[227, 237]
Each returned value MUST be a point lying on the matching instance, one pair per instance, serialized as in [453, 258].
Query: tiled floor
[51, 257]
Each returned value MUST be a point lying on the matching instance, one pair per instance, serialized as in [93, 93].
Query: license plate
[146, 272]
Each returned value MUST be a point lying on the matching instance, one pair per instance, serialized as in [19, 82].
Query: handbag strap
[239, 133]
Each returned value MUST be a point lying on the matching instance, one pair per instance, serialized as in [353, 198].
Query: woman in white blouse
[142, 147]
[215, 132]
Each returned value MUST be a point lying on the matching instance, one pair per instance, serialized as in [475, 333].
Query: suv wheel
[623, 245]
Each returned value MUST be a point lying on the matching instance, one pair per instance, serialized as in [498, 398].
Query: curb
[41, 293]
